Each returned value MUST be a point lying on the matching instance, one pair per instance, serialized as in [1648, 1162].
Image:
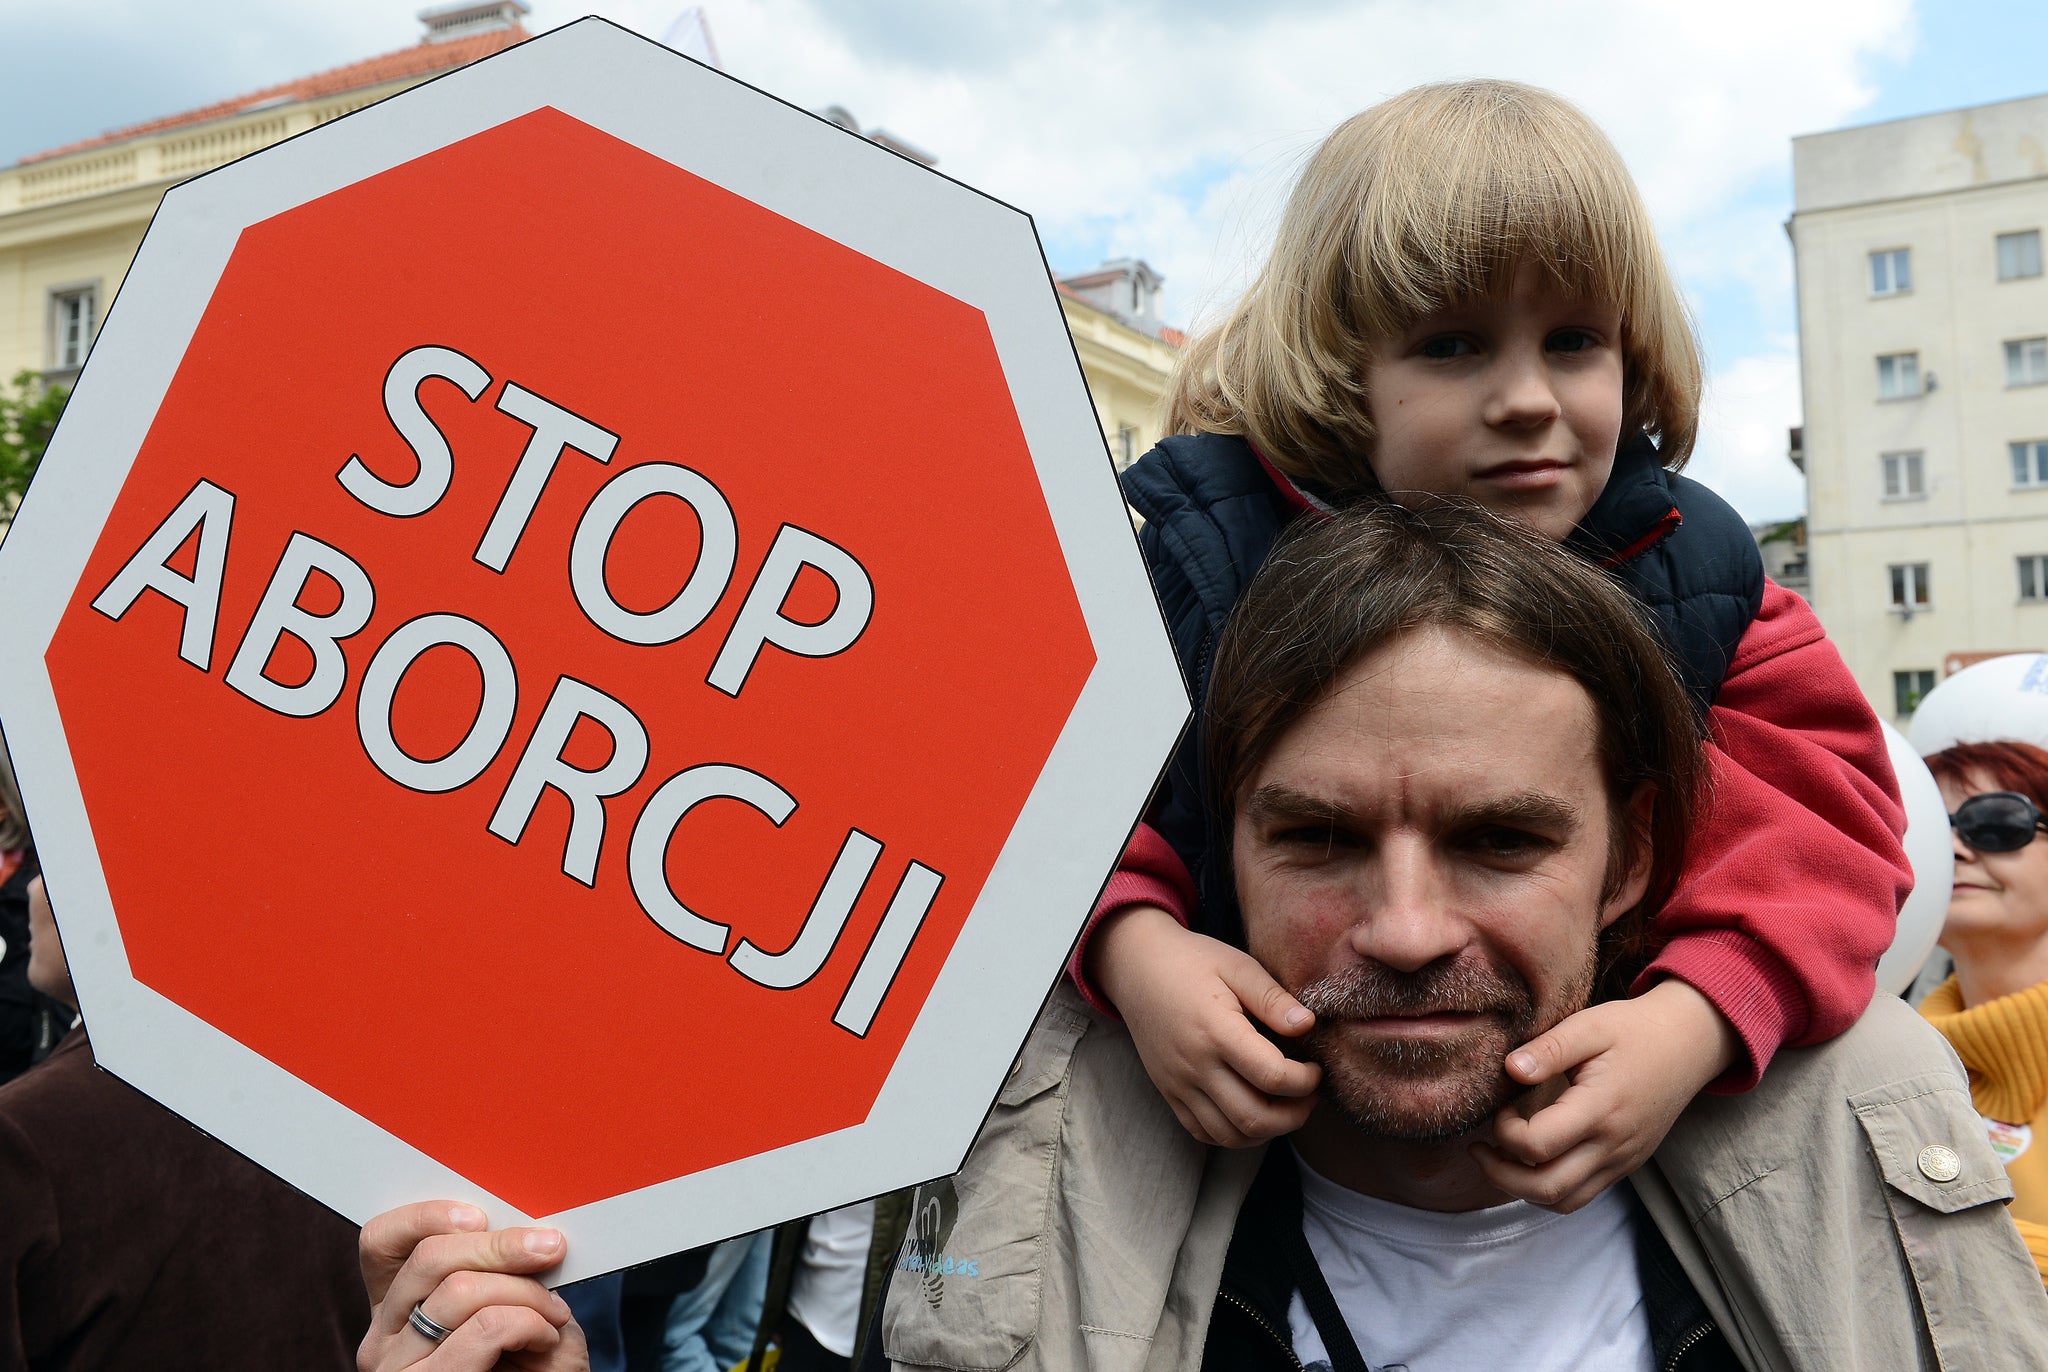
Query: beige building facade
[1126, 353]
[1923, 324]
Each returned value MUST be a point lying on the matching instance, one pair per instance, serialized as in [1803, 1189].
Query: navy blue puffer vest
[1212, 513]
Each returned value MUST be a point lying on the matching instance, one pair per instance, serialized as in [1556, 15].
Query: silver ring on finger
[425, 1325]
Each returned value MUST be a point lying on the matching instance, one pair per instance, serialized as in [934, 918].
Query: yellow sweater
[2004, 1043]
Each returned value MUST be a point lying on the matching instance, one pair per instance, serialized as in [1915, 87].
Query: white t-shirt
[825, 1294]
[1510, 1287]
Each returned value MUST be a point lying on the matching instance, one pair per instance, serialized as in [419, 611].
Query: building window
[1891, 271]
[1898, 375]
[2034, 577]
[1909, 689]
[1909, 586]
[2029, 462]
[71, 326]
[2026, 361]
[1904, 476]
[1126, 447]
[2019, 255]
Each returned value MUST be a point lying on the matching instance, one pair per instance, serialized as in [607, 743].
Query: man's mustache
[1371, 990]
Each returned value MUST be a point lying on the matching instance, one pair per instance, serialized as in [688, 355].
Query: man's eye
[1499, 842]
[1322, 837]
[1449, 345]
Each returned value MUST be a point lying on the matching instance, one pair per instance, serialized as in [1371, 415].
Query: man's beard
[1435, 1088]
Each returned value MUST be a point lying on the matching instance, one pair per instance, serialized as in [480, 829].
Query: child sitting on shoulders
[1466, 298]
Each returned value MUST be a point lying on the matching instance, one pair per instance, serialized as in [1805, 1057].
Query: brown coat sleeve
[133, 1240]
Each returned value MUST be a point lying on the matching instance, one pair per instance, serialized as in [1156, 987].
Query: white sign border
[1107, 758]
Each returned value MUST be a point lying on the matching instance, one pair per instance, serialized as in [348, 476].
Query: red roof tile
[423, 59]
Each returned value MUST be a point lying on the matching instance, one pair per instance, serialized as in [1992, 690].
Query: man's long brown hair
[1340, 589]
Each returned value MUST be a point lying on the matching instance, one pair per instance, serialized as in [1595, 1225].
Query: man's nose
[1410, 920]
[1524, 393]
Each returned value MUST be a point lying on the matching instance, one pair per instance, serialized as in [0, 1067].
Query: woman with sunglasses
[1994, 1010]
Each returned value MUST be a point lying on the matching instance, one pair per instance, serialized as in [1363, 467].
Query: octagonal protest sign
[578, 648]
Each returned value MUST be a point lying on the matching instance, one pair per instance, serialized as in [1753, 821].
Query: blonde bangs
[1465, 196]
[1431, 199]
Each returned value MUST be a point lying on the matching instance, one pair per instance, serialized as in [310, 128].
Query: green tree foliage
[28, 416]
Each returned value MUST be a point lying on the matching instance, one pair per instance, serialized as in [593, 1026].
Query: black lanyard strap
[1280, 1180]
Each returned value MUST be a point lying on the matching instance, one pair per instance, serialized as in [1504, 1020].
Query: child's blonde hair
[1427, 200]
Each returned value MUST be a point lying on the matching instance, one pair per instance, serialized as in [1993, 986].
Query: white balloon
[1927, 848]
[2000, 698]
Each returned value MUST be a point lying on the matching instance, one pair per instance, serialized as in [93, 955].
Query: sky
[1170, 129]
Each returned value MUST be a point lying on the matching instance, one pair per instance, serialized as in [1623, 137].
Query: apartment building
[1923, 340]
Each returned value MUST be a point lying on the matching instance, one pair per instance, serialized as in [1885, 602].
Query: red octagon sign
[580, 662]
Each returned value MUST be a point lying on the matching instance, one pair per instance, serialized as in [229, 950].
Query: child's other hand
[1633, 1066]
[1185, 998]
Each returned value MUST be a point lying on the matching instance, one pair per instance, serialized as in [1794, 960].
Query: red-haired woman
[1995, 1008]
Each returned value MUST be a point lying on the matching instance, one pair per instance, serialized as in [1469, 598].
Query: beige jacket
[1087, 1230]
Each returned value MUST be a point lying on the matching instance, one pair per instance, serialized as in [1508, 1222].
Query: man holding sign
[1457, 775]
[1513, 845]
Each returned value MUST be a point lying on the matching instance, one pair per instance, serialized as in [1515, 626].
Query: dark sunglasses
[1997, 821]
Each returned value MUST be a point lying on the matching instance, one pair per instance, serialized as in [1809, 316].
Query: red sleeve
[1792, 885]
[1149, 873]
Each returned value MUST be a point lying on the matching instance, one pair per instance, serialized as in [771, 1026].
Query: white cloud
[1751, 403]
[1077, 119]
[1170, 130]
[85, 67]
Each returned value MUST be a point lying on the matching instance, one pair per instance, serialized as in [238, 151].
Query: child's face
[1513, 401]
